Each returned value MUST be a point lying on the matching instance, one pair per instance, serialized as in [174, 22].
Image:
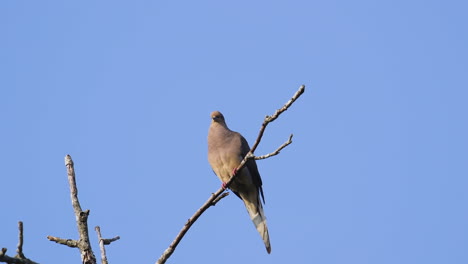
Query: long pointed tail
[257, 216]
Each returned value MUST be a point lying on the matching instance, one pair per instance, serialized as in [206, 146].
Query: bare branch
[87, 255]
[168, 252]
[277, 151]
[102, 242]
[101, 246]
[67, 242]
[7, 259]
[219, 198]
[19, 251]
[268, 119]
[108, 241]
[19, 258]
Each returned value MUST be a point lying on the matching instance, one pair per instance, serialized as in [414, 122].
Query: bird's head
[217, 117]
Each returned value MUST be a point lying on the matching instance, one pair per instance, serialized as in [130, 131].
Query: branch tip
[68, 160]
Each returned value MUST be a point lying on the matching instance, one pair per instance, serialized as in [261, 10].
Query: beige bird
[226, 150]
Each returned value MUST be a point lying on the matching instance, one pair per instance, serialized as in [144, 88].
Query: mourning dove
[226, 150]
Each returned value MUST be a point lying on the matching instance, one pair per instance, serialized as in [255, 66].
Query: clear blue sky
[377, 172]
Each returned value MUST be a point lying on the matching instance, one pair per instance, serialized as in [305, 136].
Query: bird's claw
[234, 172]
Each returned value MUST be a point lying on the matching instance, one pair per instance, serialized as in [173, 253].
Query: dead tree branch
[19, 250]
[19, 258]
[67, 242]
[219, 198]
[277, 151]
[211, 201]
[83, 244]
[102, 242]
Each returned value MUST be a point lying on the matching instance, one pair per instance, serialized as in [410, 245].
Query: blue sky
[377, 172]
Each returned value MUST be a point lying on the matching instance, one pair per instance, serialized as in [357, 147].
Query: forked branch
[83, 244]
[102, 242]
[214, 197]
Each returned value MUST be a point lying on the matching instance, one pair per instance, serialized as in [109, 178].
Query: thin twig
[87, 255]
[219, 198]
[168, 252]
[269, 119]
[107, 241]
[277, 151]
[101, 246]
[19, 258]
[67, 242]
[102, 242]
[19, 250]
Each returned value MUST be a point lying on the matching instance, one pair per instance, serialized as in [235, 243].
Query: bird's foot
[234, 171]
[223, 185]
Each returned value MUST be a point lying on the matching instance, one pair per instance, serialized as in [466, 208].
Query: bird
[226, 150]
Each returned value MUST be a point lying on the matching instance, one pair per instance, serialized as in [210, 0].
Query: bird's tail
[255, 209]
